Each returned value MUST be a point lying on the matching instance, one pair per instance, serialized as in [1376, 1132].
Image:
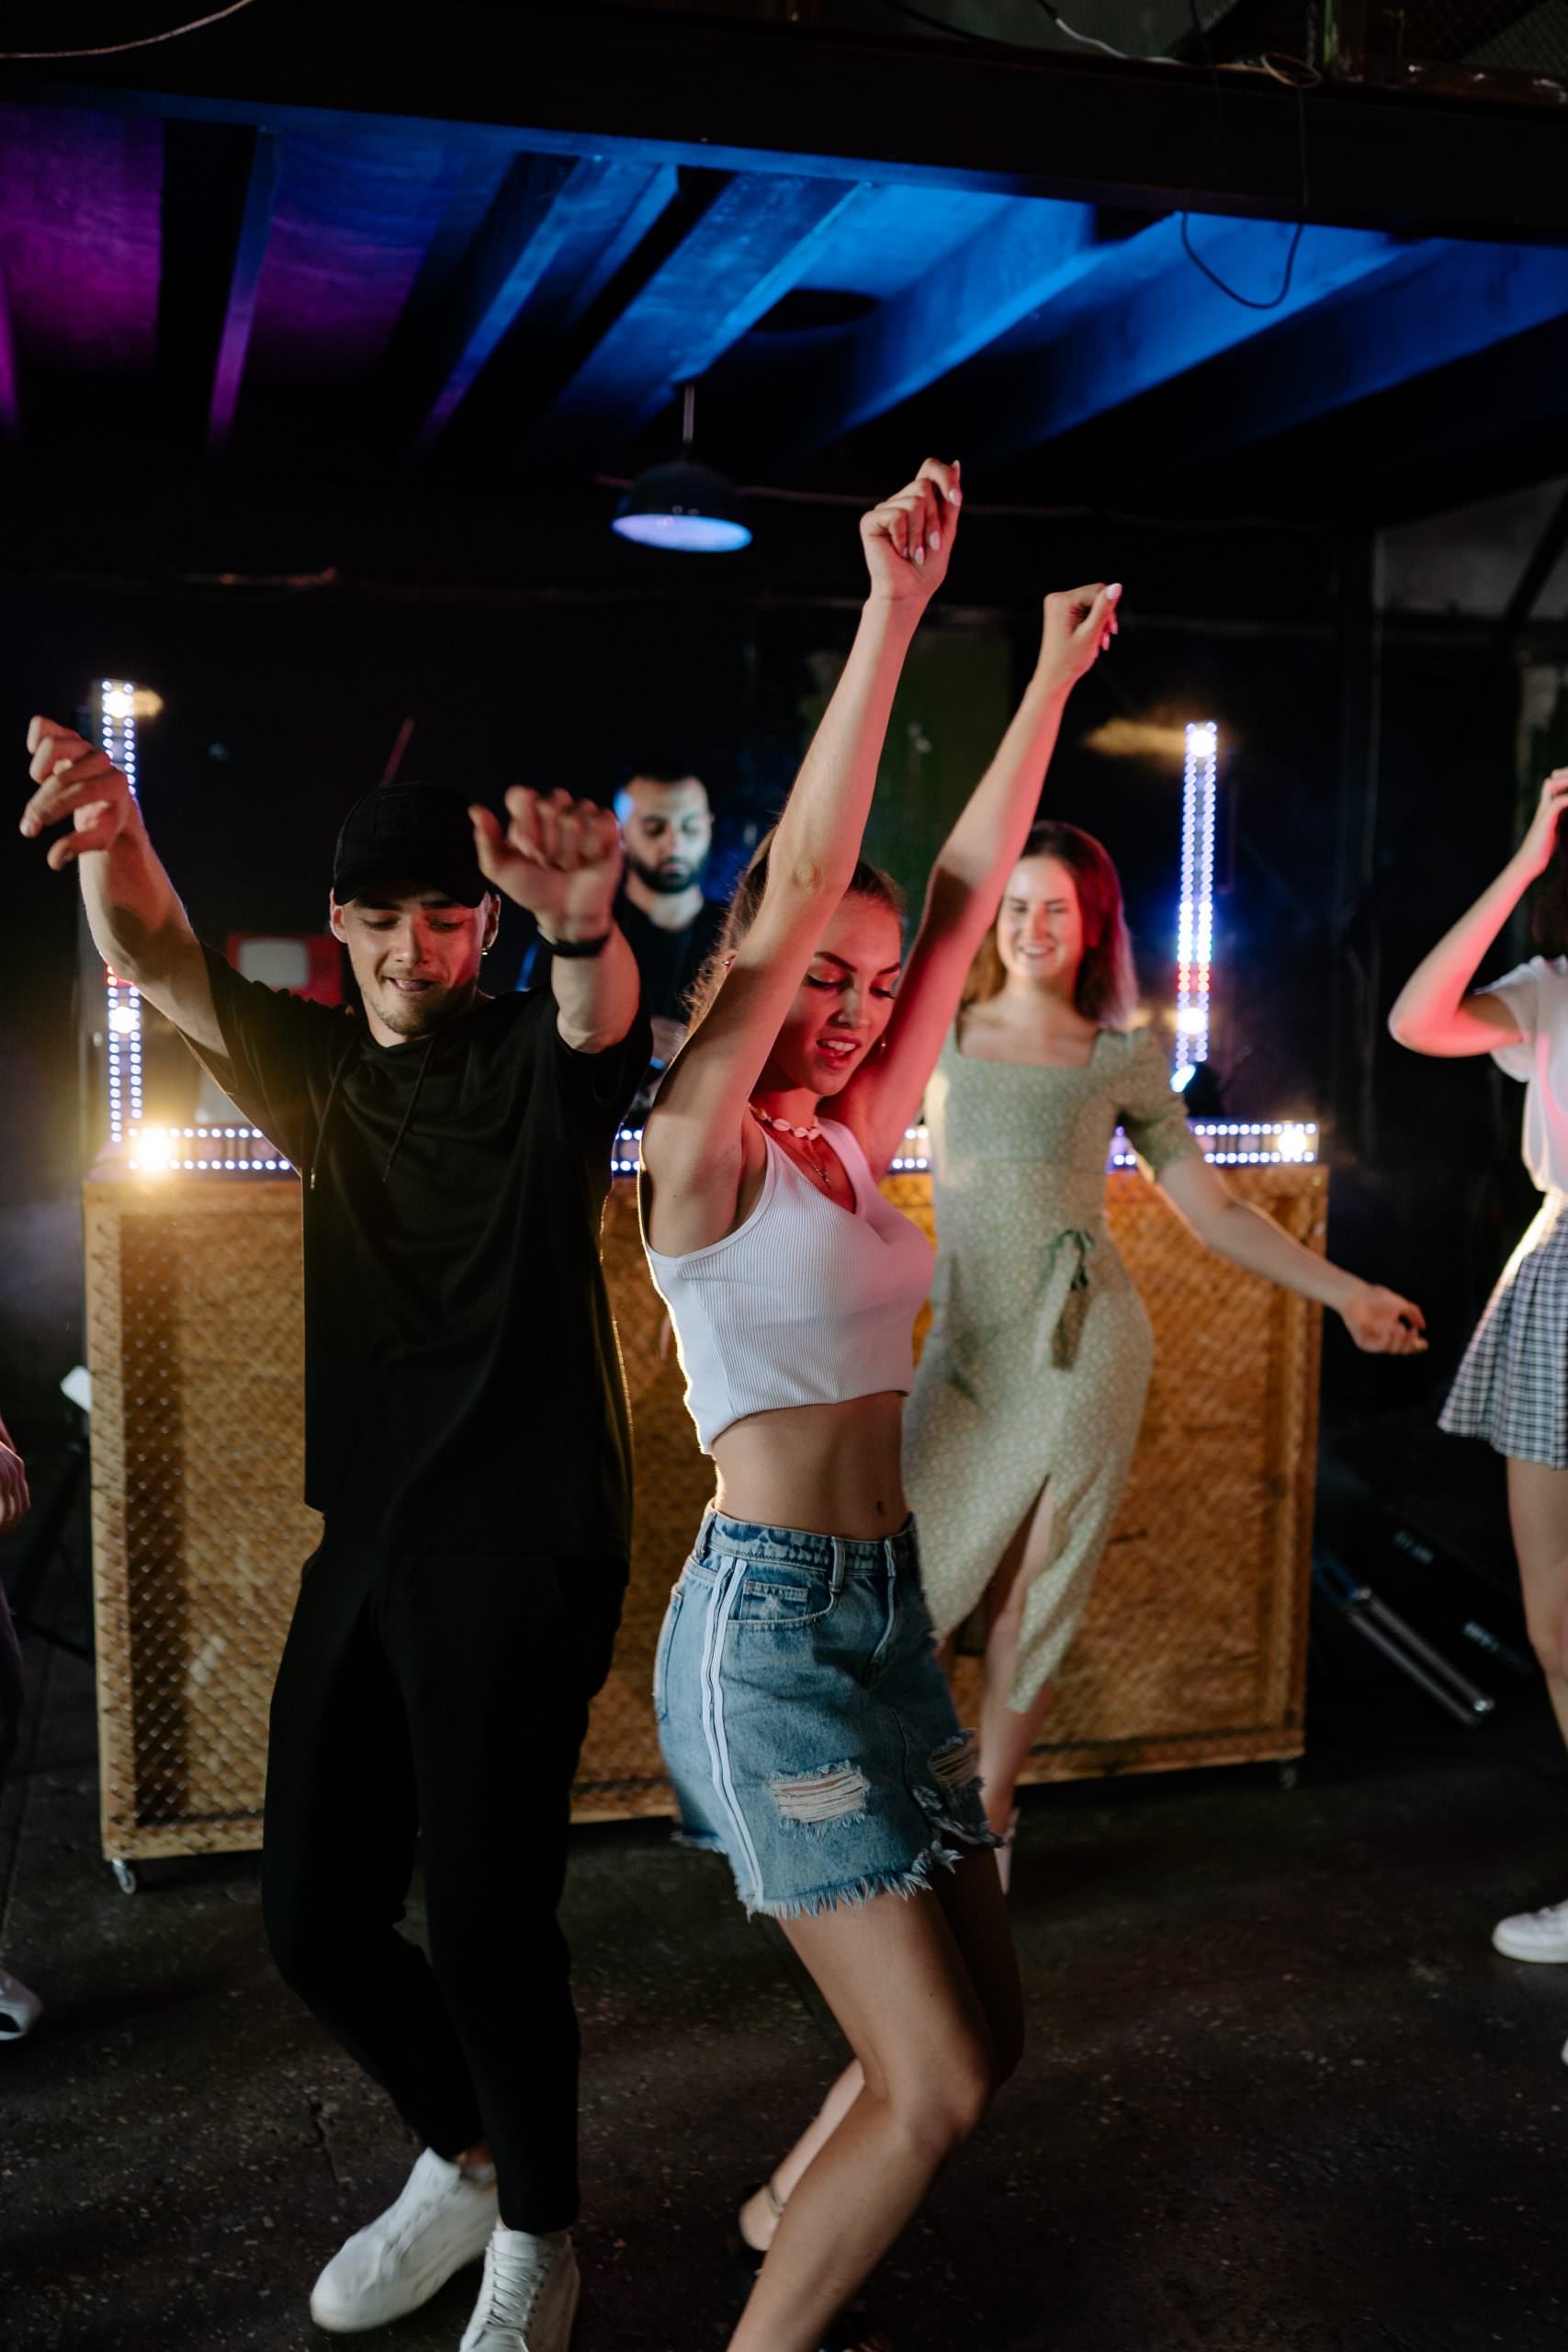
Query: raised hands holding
[558, 857]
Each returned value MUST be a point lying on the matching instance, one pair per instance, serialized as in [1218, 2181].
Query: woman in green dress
[1021, 1431]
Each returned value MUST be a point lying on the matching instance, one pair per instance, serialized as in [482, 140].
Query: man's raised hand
[74, 779]
[558, 857]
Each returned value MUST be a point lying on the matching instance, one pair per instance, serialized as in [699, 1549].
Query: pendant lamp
[683, 506]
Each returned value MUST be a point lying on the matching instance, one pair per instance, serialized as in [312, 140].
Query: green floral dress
[1037, 1363]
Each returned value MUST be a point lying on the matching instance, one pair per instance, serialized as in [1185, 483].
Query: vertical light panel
[1195, 924]
[116, 733]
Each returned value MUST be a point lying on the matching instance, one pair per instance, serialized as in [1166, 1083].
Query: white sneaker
[406, 2255]
[528, 2301]
[19, 2008]
[1534, 1935]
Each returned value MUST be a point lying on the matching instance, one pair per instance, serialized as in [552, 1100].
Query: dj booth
[1193, 1651]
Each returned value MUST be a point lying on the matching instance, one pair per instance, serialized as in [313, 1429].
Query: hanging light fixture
[683, 505]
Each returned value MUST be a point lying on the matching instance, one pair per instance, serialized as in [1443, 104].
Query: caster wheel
[1289, 1775]
[124, 1876]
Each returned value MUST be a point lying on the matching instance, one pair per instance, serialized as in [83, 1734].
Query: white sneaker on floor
[21, 2008]
[440, 2221]
[528, 2301]
[1534, 1935]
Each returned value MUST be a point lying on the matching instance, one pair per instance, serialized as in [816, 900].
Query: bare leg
[1008, 1736]
[1538, 1509]
[894, 1973]
[977, 1922]
[759, 2220]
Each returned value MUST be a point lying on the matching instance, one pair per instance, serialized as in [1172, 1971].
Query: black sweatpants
[442, 1696]
[13, 1685]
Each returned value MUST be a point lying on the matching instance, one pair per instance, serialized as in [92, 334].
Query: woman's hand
[1535, 851]
[908, 539]
[1383, 1324]
[1079, 625]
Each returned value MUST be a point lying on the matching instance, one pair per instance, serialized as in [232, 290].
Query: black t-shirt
[462, 1381]
[668, 961]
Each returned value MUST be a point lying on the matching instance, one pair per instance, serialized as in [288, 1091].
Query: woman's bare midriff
[832, 1469]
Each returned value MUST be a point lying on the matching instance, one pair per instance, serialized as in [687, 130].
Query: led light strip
[246, 1151]
[1195, 922]
[158, 1151]
[116, 733]
[1240, 1143]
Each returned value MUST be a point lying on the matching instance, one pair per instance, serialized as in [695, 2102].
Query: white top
[1537, 996]
[803, 1303]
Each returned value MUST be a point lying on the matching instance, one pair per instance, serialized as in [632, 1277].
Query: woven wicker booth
[1193, 1651]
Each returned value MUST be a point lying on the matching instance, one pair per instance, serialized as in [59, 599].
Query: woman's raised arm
[694, 1146]
[1434, 1012]
[971, 873]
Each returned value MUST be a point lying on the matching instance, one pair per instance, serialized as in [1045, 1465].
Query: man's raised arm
[560, 860]
[137, 922]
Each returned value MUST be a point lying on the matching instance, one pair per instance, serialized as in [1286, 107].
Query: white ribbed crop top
[803, 1303]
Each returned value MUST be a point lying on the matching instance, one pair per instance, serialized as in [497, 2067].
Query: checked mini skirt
[1512, 1388]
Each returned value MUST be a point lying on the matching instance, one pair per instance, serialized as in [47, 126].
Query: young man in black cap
[466, 1440]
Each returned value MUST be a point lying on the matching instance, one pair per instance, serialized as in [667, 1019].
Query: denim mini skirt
[808, 1729]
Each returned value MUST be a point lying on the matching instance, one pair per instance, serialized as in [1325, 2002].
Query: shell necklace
[806, 1135]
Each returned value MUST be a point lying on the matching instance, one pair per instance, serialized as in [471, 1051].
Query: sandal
[853, 2331]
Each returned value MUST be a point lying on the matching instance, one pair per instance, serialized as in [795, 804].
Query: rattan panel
[198, 1534]
[1193, 1650]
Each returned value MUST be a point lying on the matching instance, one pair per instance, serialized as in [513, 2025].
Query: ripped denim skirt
[806, 1728]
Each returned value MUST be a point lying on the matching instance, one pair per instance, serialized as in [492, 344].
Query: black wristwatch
[577, 946]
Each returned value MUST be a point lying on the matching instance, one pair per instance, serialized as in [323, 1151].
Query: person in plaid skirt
[1512, 1388]
[19, 2009]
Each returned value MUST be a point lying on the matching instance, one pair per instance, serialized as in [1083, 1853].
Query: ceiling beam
[252, 231]
[747, 242]
[979, 294]
[216, 202]
[10, 386]
[1542, 562]
[517, 240]
[750, 96]
[1481, 426]
[1451, 302]
[1149, 316]
[527, 245]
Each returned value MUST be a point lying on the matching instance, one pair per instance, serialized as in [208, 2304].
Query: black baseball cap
[414, 836]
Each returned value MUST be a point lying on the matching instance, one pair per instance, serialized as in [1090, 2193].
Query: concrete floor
[1279, 2092]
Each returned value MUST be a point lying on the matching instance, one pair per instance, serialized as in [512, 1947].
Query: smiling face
[416, 958]
[667, 830]
[1040, 928]
[843, 1004]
